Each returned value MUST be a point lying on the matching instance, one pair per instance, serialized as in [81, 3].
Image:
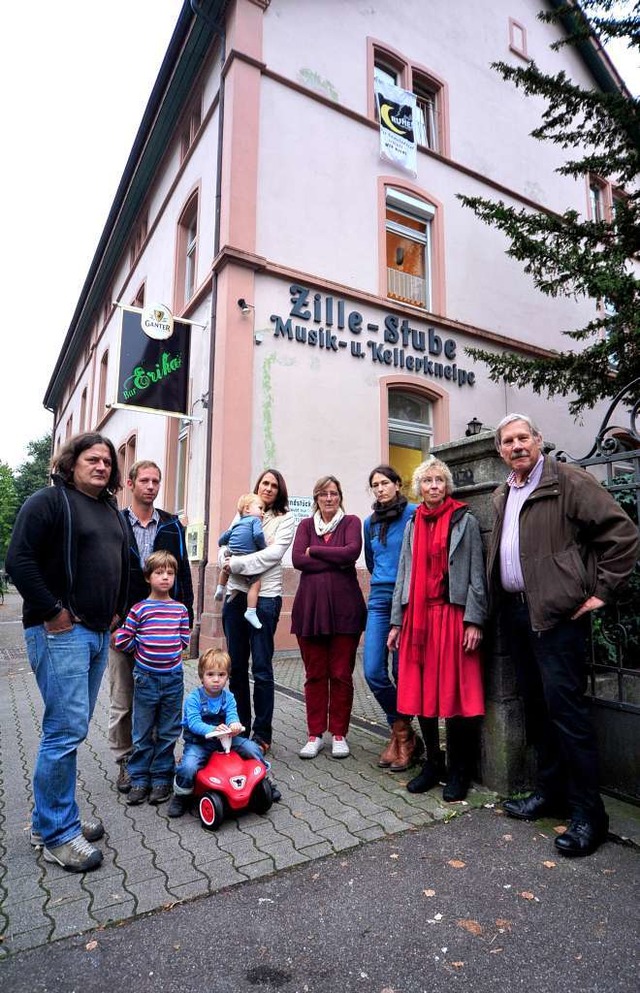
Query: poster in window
[396, 110]
[153, 370]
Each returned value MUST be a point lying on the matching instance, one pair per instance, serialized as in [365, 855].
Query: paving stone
[371, 833]
[73, 917]
[152, 861]
[148, 894]
[192, 889]
[339, 837]
[256, 870]
[117, 912]
[221, 873]
[25, 915]
[284, 855]
[25, 940]
[318, 850]
[105, 894]
[180, 870]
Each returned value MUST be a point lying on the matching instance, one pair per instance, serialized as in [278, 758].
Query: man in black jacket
[149, 530]
[68, 560]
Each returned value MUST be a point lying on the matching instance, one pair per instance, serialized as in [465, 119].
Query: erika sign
[154, 365]
[326, 323]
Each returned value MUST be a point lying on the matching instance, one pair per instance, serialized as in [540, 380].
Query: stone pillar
[506, 764]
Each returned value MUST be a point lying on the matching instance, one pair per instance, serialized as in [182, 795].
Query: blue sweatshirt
[382, 560]
[203, 713]
[244, 536]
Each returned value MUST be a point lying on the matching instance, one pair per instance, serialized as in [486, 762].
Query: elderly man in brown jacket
[560, 548]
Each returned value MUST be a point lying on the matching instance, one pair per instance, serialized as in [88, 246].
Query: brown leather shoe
[123, 782]
[406, 744]
[390, 753]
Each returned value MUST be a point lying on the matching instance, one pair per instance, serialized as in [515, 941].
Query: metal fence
[614, 666]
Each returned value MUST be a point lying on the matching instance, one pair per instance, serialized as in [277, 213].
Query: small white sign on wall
[300, 507]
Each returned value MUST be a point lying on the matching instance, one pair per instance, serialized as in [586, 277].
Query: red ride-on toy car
[229, 784]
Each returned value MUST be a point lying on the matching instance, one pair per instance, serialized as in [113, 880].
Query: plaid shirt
[145, 535]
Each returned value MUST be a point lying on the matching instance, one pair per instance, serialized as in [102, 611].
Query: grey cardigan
[467, 581]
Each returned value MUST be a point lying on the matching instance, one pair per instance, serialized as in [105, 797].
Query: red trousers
[329, 661]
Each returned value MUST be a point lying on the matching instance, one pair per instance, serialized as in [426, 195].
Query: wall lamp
[245, 307]
[474, 427]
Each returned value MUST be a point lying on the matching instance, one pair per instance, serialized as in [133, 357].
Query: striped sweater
[155, 631]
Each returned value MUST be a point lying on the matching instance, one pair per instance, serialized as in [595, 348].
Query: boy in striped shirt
[156, 630]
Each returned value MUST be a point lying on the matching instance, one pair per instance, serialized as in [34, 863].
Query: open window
[409, 248]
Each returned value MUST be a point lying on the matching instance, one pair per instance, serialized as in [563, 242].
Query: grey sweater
[467, 583]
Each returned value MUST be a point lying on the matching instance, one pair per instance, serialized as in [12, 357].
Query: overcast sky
[75, 76]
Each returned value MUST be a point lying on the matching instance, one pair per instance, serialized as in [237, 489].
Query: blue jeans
[68, 668]
[376, 653]
[244, 640]
[196, 755]
[156, 725]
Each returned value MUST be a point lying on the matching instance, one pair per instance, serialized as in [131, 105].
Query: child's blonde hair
[246, 500]
[214, 657]
[159, 560]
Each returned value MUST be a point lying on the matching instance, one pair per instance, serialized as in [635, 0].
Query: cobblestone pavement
[152, 862]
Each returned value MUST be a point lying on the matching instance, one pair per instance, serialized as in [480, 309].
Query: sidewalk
[154, 863]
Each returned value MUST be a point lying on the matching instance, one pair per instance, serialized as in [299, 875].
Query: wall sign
[327, 324]
[153, 371]
[300, 507]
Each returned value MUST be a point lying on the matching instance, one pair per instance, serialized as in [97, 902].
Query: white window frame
[182, 459]
[401, 202]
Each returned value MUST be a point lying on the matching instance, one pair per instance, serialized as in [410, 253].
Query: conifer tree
[572, 254]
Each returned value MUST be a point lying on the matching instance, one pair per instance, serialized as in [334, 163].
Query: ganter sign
[153, 371]
[328, 325]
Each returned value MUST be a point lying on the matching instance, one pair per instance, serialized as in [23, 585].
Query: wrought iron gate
[614, 666]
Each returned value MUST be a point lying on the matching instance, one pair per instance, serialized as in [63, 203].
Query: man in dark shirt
[68, 559]
[149, 529]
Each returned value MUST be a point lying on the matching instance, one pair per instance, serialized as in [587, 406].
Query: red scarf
[429, 567]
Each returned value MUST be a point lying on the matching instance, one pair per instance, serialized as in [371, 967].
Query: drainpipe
[218, 30]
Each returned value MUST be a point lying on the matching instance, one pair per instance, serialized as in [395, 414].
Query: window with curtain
[408, 246]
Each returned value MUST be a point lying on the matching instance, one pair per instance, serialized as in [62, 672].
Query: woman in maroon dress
[438, 611]
[328, 615]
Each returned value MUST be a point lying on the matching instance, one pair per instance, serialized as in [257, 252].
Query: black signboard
[153, 373]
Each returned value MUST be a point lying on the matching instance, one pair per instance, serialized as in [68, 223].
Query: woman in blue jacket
[383, 532]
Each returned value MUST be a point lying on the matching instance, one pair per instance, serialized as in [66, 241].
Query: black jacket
[43, 559]
[169, 538]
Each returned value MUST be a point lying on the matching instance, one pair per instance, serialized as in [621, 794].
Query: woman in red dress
[438, 612]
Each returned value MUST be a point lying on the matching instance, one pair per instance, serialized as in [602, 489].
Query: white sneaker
[339, 747]
[311, 749]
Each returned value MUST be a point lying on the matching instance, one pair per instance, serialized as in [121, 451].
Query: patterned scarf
[326, 527]
[385, 513]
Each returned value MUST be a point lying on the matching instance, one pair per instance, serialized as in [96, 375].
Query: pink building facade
[333, 295]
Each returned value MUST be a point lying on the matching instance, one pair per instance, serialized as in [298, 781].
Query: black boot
[179, 804]
[429, 776]
[456, 787]
[462, 746]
